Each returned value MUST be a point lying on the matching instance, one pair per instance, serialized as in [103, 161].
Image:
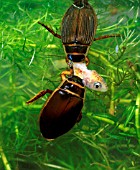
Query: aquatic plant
[31, 59]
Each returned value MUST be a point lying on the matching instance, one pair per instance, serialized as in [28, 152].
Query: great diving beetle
[78, 28]
[63, 108]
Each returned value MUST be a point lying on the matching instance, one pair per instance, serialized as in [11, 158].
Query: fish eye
[97, 85]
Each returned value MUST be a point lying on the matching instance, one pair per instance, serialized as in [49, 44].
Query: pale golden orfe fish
[91, 78]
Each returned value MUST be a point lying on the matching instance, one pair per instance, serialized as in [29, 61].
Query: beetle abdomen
[59, 114]
[79, 25]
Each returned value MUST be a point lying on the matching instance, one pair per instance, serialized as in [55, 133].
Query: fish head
[94, 81]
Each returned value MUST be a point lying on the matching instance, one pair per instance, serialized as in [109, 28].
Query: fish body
[90, 78]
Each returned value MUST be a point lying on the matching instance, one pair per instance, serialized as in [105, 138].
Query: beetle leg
[79, 117]
[67, 60]
[87, 60]
[106, 36]
[50, 30]
[59, 36]
[38, 95]
[67, 72]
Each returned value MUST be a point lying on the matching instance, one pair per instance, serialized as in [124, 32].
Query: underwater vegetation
[32, 59]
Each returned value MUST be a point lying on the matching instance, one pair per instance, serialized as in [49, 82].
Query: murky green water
[32, 59]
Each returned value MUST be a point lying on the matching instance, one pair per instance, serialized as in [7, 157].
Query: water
[31, 60]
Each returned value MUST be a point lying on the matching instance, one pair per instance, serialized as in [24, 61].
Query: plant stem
[104, 60]
[112, 102]
[137, 116]
[120, 126]
[4, 159]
